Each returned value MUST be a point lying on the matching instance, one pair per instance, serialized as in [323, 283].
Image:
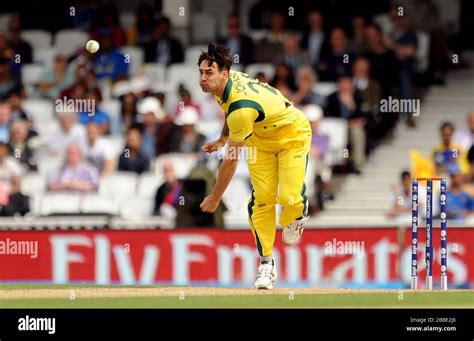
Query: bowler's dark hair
[219, 54]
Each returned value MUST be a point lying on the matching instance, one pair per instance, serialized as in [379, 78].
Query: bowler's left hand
[210, 203]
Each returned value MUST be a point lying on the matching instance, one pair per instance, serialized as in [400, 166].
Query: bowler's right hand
[213, 146]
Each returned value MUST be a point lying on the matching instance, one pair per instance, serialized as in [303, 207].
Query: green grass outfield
[87, 296]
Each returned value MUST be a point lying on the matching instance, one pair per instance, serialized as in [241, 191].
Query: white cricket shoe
[292, 233]
[266, 275]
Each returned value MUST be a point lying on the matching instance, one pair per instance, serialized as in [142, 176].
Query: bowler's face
[210, 78]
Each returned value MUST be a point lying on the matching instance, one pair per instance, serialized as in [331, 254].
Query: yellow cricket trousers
[277, 166]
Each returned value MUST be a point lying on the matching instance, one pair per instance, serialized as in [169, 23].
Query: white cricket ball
[92, 46]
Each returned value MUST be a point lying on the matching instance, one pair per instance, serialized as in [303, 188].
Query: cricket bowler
[258, 116]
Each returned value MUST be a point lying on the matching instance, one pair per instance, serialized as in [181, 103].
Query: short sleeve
[240, 123]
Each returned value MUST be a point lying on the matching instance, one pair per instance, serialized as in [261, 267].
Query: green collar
[227, 90]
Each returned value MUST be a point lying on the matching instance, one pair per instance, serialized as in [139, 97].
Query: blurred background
[129, 157]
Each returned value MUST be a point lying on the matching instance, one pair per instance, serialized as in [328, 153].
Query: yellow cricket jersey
[258, 112]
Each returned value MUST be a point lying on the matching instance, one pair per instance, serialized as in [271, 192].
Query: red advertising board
[324, 256]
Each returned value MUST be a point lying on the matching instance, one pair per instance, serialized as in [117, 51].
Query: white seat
[118, 143]
[44, 57]
[203, 27]
[209, 127]
[4, 20]
[135, 56]
[336, 128]
[97, 204]
[155, 71]
[237, 208]
[183, 163]
[192, 53]
[257, 35]
[40, 110]
[137, 207]
[59, 203]
[127, 19]
[113, 108]
[68, 41]
[47, 165]
[267, 69]
[422, 52]
[325, 88]
[188, 75]
[148, 184]
[38, 39]
[30, 73]
[118, 185]
[33, 184]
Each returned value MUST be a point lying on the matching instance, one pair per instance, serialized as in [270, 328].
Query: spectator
[315, 38]
[465, 136]
[187, 140]
[458, 201]
[357, 43]
[53, 81]
[167, 195]
[306, 80]
[17, 113]
[241, 46]
[154, 134]
[6, 50]
[261, 77]
[141, 33]
[7, 82]
[347, 104]
[448, 153]
[185, 100]
[20, 148]
[98, 116]
[109, 63]
[3, 197]
[272, 44]
[128, 110]
[99, 151]
[84, 17]
[18, 203]
[337, 60]
[9, 166]
[20, 46]
[384, 66]
[108, 20]
[292, 55]
[284, 80]
[163, 48]
[400, 198]
[5, 120]
[75, 175]
[320, 143]
[66, 131]
[132, 158]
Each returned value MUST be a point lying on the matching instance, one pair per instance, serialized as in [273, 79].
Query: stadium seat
[113, 108]
[136, 57]
[337, 130]
[118, 144]
[267, 69]
[155, 71]
[237, 212]
[118, 185]
[4, 19]
[203, 27]
[127, 19]
[30, 74]
[40, 110]
[325, 88]
[97, 204]
[148, 184]
[422, 53]
[136, 207]
[257, 35]
[188, 75]
[44, 57]
[209, 127]
[183, 163]
[49, 164]
[33, 184]
[68, 41]
[59, 203]
[192, 54]
[38, 39]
